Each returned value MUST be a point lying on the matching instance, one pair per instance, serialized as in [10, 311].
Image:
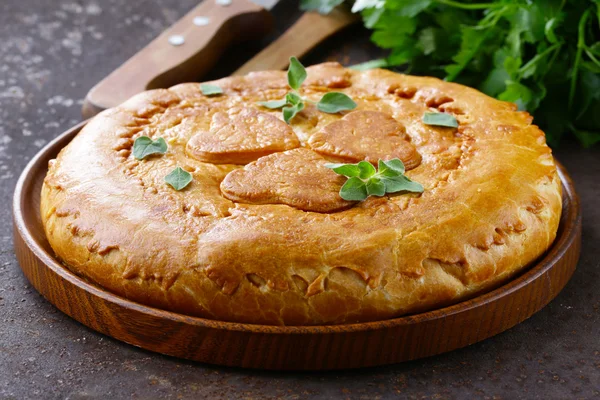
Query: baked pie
[261, 234]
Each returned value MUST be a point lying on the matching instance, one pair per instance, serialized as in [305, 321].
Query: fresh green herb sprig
[542, 55]
[293, 103]
[364, 180]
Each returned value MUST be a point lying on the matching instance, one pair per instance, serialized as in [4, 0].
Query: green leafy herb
[335, 102]
[296, 74]
[349, 170]
[144, 146]
[354, 189]
[440, 119]
[178, 178]
[541, 55]
[290, 112]
[293, 99]
[210, 90]
[364, 180]
[274, 104]
[293, 103]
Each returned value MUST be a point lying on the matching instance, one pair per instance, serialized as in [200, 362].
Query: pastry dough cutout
[240, 137]
[366, 135]
[296, 177]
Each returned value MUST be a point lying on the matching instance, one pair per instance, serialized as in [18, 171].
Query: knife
[183, 52]
[190, 47]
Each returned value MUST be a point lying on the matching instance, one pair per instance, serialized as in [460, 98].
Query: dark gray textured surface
[51, 53]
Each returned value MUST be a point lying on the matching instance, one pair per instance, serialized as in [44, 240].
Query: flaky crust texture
[266, 240]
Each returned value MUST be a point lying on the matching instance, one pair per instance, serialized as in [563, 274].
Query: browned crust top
[248, 240]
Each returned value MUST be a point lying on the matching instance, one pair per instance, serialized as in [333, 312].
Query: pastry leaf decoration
[210, 90]
[293, 103]
[144, 146]
[440, 119]
[178, 178]
[364, 180]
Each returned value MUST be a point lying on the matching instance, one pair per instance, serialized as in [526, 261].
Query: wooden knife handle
[163, 64]
[310, 30]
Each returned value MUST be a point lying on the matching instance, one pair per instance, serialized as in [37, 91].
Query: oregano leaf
[334, 102]
[179, 178]
[354, 190]
[293, 99]
[296, 73]
[391, 167]
[273, 104]
[289, 112]
[144, 146]
[401, 183]
[366, 169]
[348, 170]
[375, 187]
[210, 90]
[440, 119]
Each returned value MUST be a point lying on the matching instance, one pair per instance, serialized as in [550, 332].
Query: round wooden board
[294, 347]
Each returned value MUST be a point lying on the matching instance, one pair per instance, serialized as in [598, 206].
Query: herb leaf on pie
[290, 112]
[178, 178]
[354, 190]
[296, 73]
[144, 146]
[391, 168]
[367, 170]
[273, 104]
[335, 102]
[375, 187]
[210, 90]
[349, 170]
[401, 183]
[364, 180]
[440, 119]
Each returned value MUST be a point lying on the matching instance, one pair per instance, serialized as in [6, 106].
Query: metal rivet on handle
[223, 3]
[201, 21]
[176, 40]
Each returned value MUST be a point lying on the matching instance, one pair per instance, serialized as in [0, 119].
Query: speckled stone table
[51, 53]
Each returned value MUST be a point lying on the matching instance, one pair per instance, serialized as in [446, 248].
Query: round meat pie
[261, 234]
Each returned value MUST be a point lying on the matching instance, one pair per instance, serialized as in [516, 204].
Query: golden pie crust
[261, 234]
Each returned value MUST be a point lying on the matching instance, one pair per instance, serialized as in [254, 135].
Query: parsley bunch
[542, 55]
